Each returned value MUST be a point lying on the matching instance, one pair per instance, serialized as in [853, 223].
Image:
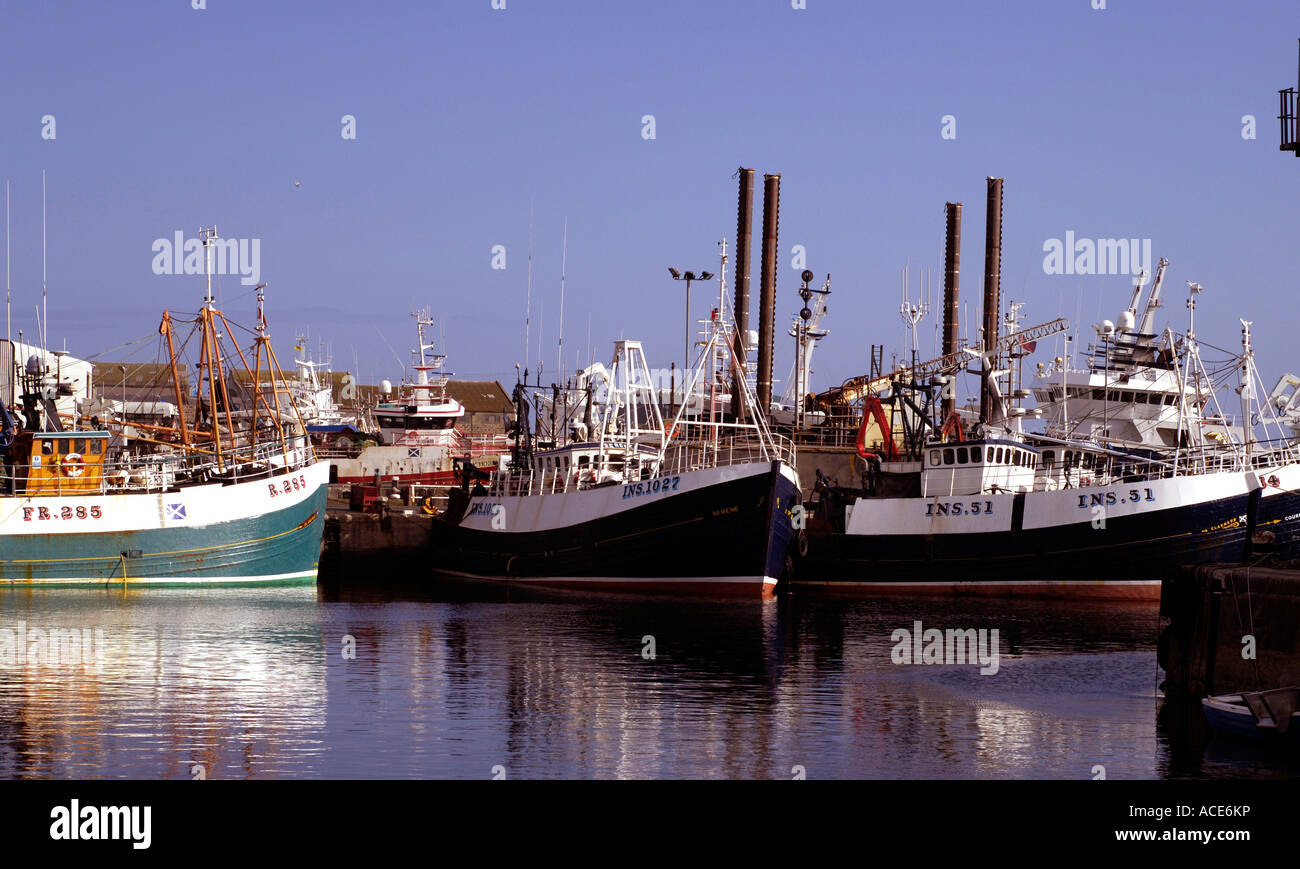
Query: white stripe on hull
[729, 584]
[201, 579]
[966, 514]
[188, 507]
[1145, 589]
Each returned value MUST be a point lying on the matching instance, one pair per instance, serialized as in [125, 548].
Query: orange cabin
[58, 463]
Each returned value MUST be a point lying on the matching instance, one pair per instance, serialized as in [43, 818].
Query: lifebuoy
[801, 541]
[72, 465]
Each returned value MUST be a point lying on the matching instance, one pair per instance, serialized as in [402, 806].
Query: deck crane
[855, 388]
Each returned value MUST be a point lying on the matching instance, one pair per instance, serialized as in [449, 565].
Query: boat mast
[528, 296]
[208, 350]
[559, 350]
[1189, 353]
[278, 388]
[45, 323]
[166, 329]
[1247, 390]
[9, 329]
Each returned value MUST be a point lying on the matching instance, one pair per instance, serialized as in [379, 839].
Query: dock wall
[1209, 612]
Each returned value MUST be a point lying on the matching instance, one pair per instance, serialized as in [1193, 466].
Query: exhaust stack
[951, 289]
[992, 290]
[744, 240]
[767, 290]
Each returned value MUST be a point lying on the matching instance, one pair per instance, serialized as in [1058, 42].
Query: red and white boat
[418, 430]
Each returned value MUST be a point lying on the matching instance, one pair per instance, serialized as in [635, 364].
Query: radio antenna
[528, 299]
[45, 324]
[559, 350]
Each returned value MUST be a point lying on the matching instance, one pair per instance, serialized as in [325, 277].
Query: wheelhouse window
[976, 454]
[428, 423]
[961, 455]
[949, 457]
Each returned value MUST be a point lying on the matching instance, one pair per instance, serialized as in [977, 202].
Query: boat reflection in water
[175, 683]
[475, 680]
[546, 683]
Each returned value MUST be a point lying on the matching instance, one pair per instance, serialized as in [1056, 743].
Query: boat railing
[337, 452]
[159, 472]
[827, 436]
[486, 444]
[681, 456]
[699, 445]
[1115, 468]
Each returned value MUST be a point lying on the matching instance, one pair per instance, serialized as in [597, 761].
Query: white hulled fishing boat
[230, 494]
[1100, 512]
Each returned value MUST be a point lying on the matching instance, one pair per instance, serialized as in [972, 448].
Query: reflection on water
[229, 681]
[478, 680]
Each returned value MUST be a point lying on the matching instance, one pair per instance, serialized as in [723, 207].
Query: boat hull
[720, 531]
[1228, 714]
[212, 534]
[1056, 544]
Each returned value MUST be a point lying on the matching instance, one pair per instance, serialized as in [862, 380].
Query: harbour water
[473, 681]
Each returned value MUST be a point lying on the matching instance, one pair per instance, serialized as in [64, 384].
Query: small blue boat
[1261, 716]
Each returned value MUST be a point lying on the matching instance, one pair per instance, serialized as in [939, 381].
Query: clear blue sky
[1124, 122]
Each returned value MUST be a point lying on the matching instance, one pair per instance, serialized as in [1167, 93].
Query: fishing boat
[701, 504]
[997, 510]
[230, 494]
[1130, 391]
[328, 423]
[420, 440]
[1260, 716]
